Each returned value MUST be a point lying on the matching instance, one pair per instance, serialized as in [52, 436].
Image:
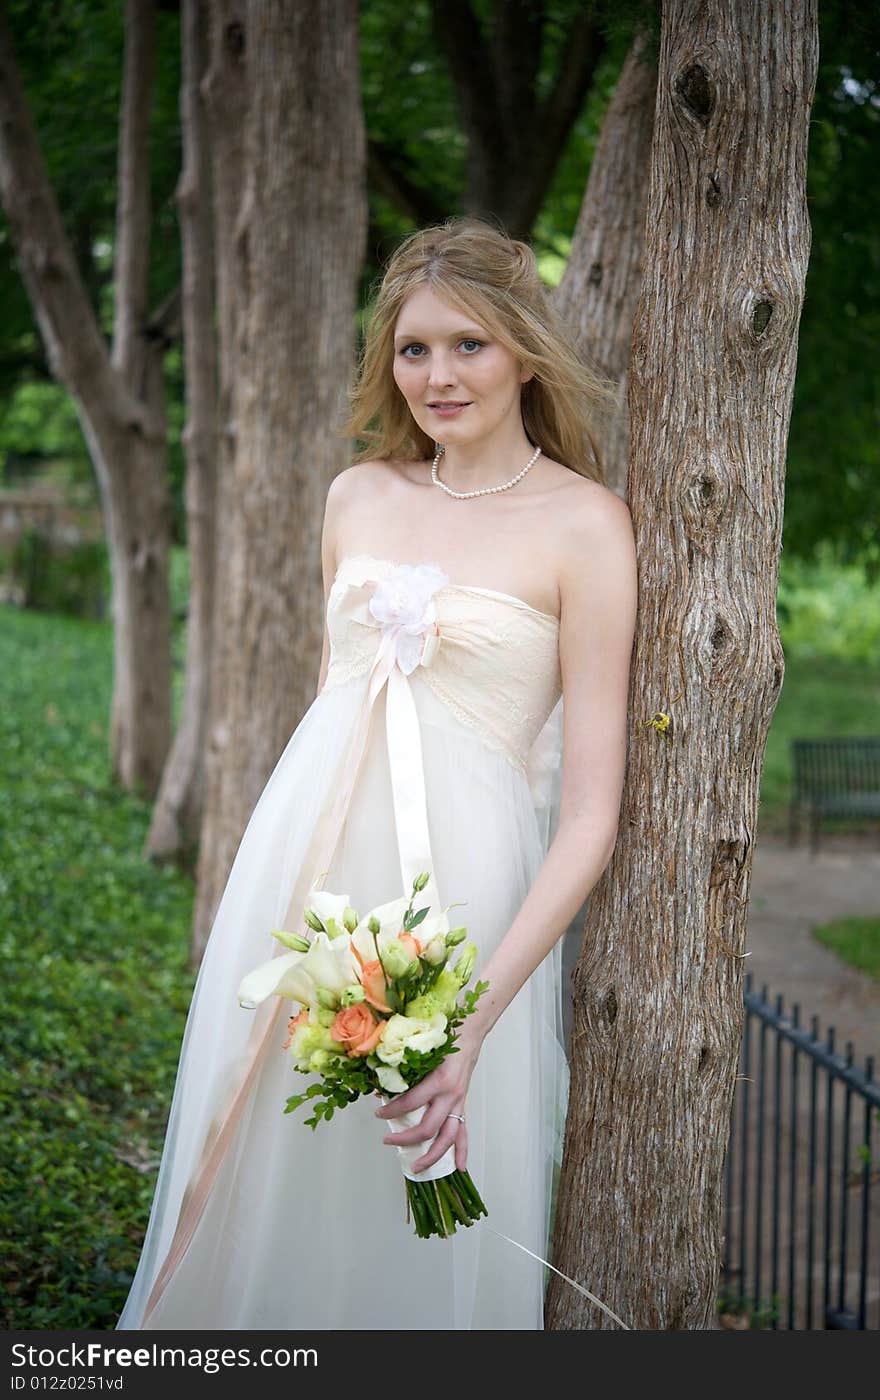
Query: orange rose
[294, 1024]
[356, 1029]
[410, 943]
[373, 981]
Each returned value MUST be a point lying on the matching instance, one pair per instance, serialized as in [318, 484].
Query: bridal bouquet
[380, 1010]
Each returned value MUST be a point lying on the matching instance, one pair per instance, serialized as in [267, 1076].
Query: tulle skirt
[307, 1229]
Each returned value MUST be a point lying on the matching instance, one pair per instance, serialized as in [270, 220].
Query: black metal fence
[802, 1207]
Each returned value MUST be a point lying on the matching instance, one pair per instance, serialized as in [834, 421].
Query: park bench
[834, 778]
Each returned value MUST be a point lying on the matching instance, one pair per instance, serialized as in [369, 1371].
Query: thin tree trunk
[603, 275]
[226, 96]
[516, 126]
[176, 816]
[300, 246]
[119, 399]
[658, 989]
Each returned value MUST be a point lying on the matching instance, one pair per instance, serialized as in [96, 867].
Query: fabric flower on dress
[403, 603]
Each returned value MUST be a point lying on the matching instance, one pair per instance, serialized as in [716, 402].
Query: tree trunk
[516, 126]
[603, 275]
[176, 816]
[119, 400]
[658, 989]
[300, 245]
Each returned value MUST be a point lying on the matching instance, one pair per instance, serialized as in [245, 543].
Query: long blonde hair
[495, 279]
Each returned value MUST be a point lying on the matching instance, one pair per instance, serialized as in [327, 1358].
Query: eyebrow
[467, 331]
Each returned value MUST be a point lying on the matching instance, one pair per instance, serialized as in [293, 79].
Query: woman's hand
[444, 1091]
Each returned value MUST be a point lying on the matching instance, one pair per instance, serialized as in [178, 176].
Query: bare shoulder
[349, 489]
[360, 476]
[594, 525]
[596, 561]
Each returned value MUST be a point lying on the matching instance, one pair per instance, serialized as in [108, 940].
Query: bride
[476, 518]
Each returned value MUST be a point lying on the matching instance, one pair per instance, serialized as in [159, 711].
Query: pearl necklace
[484, 490]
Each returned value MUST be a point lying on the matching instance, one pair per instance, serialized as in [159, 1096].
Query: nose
[442, 372]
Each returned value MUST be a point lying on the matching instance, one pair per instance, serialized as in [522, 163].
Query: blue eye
[416, 344]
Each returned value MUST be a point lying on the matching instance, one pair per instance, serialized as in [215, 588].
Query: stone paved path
[791, 891]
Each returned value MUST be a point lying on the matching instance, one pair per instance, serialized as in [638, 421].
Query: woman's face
[442, 356]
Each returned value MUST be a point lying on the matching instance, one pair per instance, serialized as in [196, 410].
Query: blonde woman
[474, 537]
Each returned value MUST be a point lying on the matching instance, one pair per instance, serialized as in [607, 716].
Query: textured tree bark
[119, 398]
[300, 245]
[176, 815]
[603, 275]
[658, 989]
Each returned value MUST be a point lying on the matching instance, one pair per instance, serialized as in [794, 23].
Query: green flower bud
[350, 918]
[373, 924]
[465, 965]
[329, 1000]
[421, 881]
[456, 935]
[396, 960]
[292, 940]
[351, 996]
[313, 921]
[326, 1016]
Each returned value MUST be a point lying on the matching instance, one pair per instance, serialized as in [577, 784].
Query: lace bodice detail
[496, 662]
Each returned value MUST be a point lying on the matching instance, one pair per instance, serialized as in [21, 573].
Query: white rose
[416, 1032]
[392, 1080]
[434, 951]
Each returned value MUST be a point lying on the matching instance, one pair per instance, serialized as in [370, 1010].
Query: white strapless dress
[257, 1221]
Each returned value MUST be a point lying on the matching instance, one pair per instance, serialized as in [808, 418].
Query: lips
[451, 403]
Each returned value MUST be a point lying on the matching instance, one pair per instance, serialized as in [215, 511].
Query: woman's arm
[598, 587]
[338, 488]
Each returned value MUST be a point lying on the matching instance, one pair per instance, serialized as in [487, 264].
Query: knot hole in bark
[705, 1057]
[719, 635]
[705, 501]
[609, 1005]
[697, 92]
[761, 318]
[594, 276]
[233, 39]
[728, 857]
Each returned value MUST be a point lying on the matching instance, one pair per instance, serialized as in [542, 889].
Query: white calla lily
[329, 963]
[327, 905]
[259, 984]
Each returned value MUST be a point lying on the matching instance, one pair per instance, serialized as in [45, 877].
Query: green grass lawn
[95, 941]
[855, 940]
[94, 944]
